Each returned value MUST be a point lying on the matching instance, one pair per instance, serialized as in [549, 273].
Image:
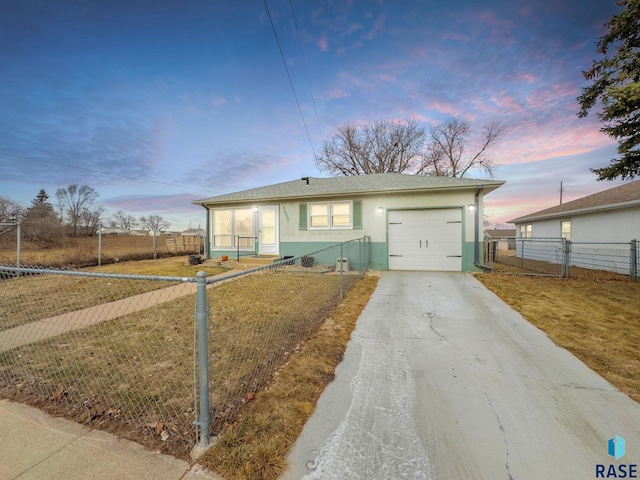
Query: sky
[155, 104]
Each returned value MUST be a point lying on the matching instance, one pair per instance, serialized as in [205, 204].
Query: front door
[268, 230]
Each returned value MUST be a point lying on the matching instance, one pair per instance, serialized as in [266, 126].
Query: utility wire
[31, 159]
[289, 76]
[306, 71]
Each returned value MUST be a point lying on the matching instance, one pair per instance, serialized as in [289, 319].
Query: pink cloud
[218, 101]
[336, 93]
[323, 43]
[377, 27]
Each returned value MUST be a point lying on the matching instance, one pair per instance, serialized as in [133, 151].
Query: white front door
[425, 239]
[268, 230]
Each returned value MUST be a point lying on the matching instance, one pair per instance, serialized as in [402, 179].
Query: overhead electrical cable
[289, 76]
[306, 70]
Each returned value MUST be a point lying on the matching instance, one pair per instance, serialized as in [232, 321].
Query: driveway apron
[442, 380]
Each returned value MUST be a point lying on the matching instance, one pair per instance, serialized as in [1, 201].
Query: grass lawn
[27, 299]
[596, 316]
[133, 375]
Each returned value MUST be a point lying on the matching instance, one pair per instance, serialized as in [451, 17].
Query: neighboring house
[114, 231]
[415, 222]
[194, 232]
[139, 233]
[609, 216]
[600, 228]
[503, 238]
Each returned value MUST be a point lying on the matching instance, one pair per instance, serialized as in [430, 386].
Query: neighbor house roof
[357, 184]
[500, 233]
[624, 196]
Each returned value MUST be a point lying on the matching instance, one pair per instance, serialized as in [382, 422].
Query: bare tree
[451, 153]
[73, 201]
[9, 210]
[123, 220]
[90, 220]
[156, 224]
[377, 147]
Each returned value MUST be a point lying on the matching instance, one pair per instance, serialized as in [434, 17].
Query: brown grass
[30, 298]
[594, 316]
[257, 445]
[83, 251]
[132, 375]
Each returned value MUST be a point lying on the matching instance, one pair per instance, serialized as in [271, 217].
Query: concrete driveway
[442, 380]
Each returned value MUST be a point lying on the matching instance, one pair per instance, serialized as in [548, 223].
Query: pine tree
[615, 82]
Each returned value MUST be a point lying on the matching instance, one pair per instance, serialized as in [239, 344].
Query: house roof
[357, 184]
[626, 195]
[500, 233]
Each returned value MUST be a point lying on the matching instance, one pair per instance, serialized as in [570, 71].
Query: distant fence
[165, 361]
[25, 243]
[556, 256]
[185, 243]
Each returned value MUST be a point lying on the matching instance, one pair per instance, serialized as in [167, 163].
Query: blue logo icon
[616, 447]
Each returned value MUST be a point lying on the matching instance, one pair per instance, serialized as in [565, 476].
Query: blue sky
[156, 103]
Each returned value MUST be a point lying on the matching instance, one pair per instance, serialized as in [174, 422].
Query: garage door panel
[425, 239]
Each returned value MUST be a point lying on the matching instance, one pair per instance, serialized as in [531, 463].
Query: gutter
[476, 233]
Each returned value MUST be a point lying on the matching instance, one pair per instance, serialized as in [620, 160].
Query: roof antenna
[306, 179]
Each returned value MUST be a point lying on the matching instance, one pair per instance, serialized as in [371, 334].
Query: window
[330, 215]
[525, 231]
[319, 215]
[565, 228]
[228, 224]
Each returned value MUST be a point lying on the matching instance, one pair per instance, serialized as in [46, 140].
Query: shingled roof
[626, 195]
[357, 184]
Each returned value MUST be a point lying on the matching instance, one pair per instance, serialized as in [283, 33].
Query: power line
[289, 76]
[306, 70]
[31, 159]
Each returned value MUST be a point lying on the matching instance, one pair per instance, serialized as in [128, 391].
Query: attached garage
[429, 239]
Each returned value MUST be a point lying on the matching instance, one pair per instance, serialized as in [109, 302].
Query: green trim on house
[357, 215]
[303, 217]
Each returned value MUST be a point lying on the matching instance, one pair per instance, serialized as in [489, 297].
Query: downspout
[207, 240]
[476, 233]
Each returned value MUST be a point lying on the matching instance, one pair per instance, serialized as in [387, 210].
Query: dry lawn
[30, 298]
[257, 445]
[594, 315]
[133, 375]
[82, 251]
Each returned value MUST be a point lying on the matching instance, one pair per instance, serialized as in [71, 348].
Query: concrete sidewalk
[442, 380]
[37, 446]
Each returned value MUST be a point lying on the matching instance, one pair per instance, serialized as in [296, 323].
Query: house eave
[578, 211]
[489, 186]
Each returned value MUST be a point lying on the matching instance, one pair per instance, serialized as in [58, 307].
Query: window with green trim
[330, 215]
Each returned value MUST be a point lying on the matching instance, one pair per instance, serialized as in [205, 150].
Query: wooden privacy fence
[185, 243]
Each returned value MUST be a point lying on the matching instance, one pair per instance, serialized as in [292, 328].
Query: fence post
[633, 260]
[99, 244]
[566, 257]
[341, 267]
[202, 316]
[19, 241]
[522, 253]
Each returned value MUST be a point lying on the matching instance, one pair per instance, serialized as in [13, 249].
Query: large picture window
[329, 215]
[230, 224]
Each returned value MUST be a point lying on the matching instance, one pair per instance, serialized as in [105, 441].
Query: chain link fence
[46, 243]
[561, 257]
[128, 353]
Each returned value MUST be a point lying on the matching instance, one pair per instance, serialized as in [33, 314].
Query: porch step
[259, 259]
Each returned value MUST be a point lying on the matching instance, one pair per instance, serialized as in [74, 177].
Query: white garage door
[425, 239]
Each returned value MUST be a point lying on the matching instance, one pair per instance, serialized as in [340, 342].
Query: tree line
[449, 149]
[76, 213]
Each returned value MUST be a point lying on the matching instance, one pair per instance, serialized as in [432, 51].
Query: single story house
[599, 227]
[504, 239]
[414, 222]
[609, 216]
